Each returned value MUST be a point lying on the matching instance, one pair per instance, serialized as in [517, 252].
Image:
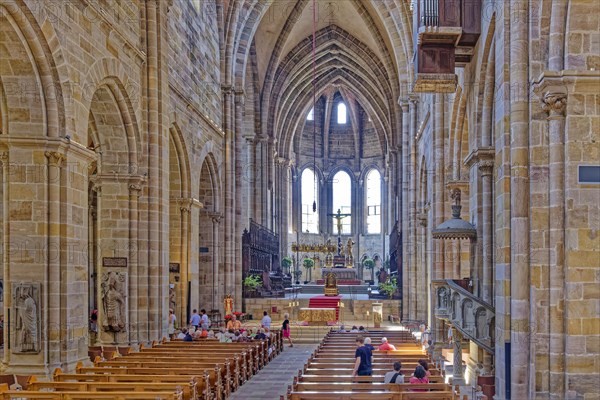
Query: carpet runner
[326, 302]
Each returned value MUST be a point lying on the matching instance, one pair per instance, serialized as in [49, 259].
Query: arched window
[341, 113]
[310, 219]
[373, 194]
[342, 200]
[311, 115]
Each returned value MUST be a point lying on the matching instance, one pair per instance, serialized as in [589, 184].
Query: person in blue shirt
[364, 359]
[195, 320]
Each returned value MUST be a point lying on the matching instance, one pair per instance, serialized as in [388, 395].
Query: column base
[460, 381]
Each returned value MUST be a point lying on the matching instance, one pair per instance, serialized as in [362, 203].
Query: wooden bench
[39, 395]
[373, 395]
[188, 391]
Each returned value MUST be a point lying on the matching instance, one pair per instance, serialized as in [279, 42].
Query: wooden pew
[379, 386]
[373, 395]
[188, 392]
[38, 395]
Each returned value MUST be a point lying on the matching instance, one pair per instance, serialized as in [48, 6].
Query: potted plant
[389, 287]
[369, 264]
[286, 263]
[308, 263]
[252, 283]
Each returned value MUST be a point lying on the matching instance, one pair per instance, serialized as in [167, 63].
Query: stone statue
[27, 338]
[349, 257]
[228, 304]
[172, 297]
[113, 301]
[442, 298]
[481, 323]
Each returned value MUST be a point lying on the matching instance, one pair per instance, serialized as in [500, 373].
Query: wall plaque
[174, 268]
[114, 262]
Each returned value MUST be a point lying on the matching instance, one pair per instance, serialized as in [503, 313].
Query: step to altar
[326, 302]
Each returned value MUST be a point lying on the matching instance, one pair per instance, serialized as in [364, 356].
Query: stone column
[185, 207]
[249, 173]
[415, 312]
[457, 368]
[133, 275]
[240, 100]
[554, 103]
[486, 168]
[6, 295]
[519, 201]
[407, 266]
[217, 294]
[228, 193]
[54, 327]
[439, 192]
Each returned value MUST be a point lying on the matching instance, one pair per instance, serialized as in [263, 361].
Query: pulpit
[331, 288]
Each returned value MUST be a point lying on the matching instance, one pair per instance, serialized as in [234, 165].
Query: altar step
[348, 290]
[326, 302]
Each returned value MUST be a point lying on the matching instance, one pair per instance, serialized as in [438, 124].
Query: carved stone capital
[555, 104]
[135, 189]
[486, 167]
[55, 158]
[185, 205]
[4, 158]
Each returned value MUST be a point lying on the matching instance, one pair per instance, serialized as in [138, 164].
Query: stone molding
[480, 154]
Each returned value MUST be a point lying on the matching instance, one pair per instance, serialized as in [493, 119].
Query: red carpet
[326, 302]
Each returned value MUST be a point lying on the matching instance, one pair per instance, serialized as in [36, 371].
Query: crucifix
[339, 216]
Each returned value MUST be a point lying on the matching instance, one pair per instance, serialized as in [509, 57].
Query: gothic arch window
[311, 115]
[373, 201]
[342, 200]
[342, 114]
[309, 193]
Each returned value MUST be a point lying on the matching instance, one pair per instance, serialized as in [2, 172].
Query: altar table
[317, 315]
[340, 273]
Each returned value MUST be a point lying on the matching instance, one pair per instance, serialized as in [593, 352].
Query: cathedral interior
[156, 154]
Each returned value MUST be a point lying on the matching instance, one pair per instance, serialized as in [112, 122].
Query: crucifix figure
[339, 216]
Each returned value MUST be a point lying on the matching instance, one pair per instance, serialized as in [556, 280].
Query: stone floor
[273, 380]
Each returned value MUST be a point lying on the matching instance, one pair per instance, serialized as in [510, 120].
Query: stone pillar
[486, 168]
[134, 248]
[185, 207]
[519, 201]
[457, 368]
[228, 194]
[439, 192]
[555, 104]
[415, 312]
[407, 266]
[240, 99]
[249, 173]
[217, 293]
[6, 295]
[55, 324]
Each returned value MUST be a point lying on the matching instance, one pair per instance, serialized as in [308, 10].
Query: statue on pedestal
[349, 257]
[228, 304]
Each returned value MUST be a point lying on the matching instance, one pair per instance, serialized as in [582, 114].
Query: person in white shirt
[182, 334]
[266, 321]
[394, 376]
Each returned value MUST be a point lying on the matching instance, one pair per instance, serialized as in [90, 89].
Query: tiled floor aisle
[273, 380]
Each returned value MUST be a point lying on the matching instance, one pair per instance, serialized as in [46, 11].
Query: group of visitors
[360, 329]
[363, 365]
[199, 322]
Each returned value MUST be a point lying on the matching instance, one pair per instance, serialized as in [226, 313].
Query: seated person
[342, 329]
[394, 376]
[251, 333]
[220, 335]
[233, 323]
[354, 329]
[385, 345]
[260, 335]
[182, 333]
[188, 337]
[423, 363]
[419, 378]
[204, 333]
[368, 344]
[236, 336]
[267, 332]
[211, 334]
[362, 329]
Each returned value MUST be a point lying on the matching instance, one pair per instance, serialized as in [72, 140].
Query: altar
[341, 274]
[317, 315]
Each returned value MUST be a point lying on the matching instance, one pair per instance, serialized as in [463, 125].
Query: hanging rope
[314, 77]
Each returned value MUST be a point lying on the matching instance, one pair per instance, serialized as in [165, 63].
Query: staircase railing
[472, 316]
